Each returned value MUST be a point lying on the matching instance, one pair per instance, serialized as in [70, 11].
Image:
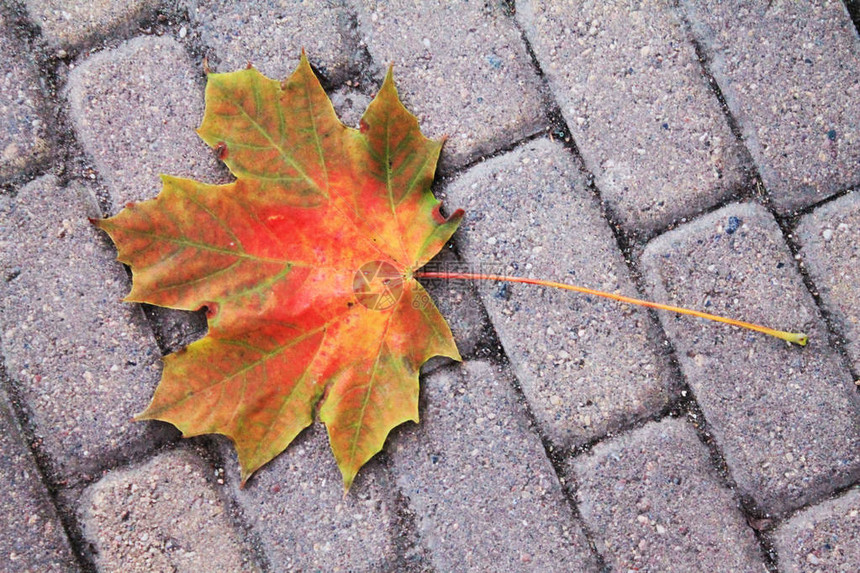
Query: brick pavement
[655, 503]
[640, 111]
[764, 402]
[794, 90]
[24, 141]
[589, 143]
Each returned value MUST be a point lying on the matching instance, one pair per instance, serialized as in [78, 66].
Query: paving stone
[790, 74]
[587, 366]
[162, 516]
[31, 536]
[630, 87]
[485, 496]
[24, 137]
[785, 418]
[824, 537]
[82, 362]
[653, 503]
[80, 23]
[271, 33]
[135, 110]
[297, 508]
[461, 67]
[830, 241]
[350, 105]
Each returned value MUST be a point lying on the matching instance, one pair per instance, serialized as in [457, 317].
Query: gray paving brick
[653, 503]
[135, 110]
[24, 137]
[349, 104]
[790, 74]
[81, 23]
[162, 516]
[830, 240]
[630, 87]
[461, 67]
[297, 508]
[587, 366]
[82, 361]
[31, 536]
[824, 537]
[785, 418]
[474, 472]
[271, 33]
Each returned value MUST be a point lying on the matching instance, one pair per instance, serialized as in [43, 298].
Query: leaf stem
[791, 337]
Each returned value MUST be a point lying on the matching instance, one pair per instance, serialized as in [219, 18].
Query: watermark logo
[377, 285]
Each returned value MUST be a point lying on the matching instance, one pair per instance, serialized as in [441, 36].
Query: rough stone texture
[587, 365]
[82, 361]
[653, 503]
[786, 418]
[31, 536]
[23, 139]
[135, 110]
[822, 538]
[461, 67]
[162, 516]
[80, 23]
[830, 240]
[640, 111]
[790, 74]
[474, 471]
[304, 521]
[271, 33]
[350, 105]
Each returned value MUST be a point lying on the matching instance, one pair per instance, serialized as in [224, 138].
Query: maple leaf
[305, 264]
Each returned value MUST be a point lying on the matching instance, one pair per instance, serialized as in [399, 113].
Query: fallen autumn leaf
[305, 265]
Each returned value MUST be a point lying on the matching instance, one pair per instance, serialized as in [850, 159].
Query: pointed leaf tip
[303, 61]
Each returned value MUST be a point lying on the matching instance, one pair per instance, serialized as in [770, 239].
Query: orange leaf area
[305, 263]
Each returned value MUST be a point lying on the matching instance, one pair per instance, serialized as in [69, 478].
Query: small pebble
[733, 225]
[827, 234]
